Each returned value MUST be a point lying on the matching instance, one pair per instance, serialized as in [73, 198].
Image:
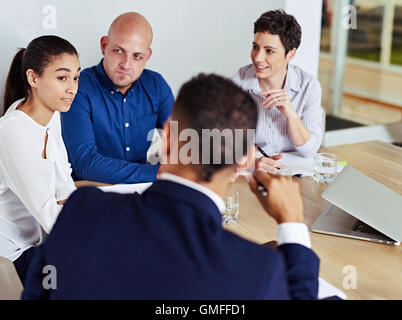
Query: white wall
[190, 36]
[308, 14]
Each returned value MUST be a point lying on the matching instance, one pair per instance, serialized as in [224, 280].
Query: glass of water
[324, 167]
[231, 213]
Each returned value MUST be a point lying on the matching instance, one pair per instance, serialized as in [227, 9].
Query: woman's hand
[278, 98]
[266, 164]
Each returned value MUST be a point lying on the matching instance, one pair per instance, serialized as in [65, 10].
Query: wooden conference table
[378, 266]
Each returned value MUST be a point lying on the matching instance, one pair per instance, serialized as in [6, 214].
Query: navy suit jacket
[167, 243]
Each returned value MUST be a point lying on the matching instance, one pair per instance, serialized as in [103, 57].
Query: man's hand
[283, 202]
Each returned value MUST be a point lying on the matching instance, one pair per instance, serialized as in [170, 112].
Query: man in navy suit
[168, 243]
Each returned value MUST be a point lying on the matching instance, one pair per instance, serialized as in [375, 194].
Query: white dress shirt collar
[191, 184]
[292, 81]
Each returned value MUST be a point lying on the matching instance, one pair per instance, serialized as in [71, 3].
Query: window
[396, 53]
[365, 41]
[326, 22]
[371, 72]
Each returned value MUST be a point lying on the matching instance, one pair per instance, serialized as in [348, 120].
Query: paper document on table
[297, 163]
[326, 290]
[127, 188]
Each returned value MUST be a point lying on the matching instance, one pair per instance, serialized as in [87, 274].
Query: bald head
[131, 23]
[126, 49]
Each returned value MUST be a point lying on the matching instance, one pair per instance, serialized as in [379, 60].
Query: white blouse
[30, 186]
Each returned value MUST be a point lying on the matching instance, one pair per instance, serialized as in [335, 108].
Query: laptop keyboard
[364, 228]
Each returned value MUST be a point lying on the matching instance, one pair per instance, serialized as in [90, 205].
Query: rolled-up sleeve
[313, 118]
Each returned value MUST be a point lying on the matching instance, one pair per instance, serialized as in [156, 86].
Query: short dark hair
[214, 102]
[278, 22]
[40, 53]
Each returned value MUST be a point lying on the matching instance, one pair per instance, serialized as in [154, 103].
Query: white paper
[297, 163]
[326, 290]
[127, 188]
[293, 160]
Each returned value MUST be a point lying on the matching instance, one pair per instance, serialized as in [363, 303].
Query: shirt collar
[292, 81]
[208, 192]
[106, 81]
[252, 82]
[22, 114]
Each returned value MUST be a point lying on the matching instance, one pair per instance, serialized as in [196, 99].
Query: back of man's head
[223, 117]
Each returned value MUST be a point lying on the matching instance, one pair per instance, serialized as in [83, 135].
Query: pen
[264, 191]
[299, 175]
[262, 151]
[260, 187]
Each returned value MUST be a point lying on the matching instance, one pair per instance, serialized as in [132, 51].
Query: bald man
[118, 103]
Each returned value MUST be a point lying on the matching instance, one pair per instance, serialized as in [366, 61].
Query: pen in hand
[273, 157]
[262, 152]
[261, 189]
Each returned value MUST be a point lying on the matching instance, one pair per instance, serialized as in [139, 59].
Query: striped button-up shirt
[304, 92]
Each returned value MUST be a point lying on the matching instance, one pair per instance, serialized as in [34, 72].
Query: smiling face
[58, 84]
[125, 55]
[268, 55]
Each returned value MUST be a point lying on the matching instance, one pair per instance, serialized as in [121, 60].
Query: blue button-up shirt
[105, 132]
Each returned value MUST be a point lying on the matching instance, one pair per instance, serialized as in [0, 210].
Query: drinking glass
[231, 213]
[324, 167]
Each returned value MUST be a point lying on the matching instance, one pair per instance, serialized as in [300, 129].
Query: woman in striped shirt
[290, 116]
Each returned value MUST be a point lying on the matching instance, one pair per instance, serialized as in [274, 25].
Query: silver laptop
[361, 208]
